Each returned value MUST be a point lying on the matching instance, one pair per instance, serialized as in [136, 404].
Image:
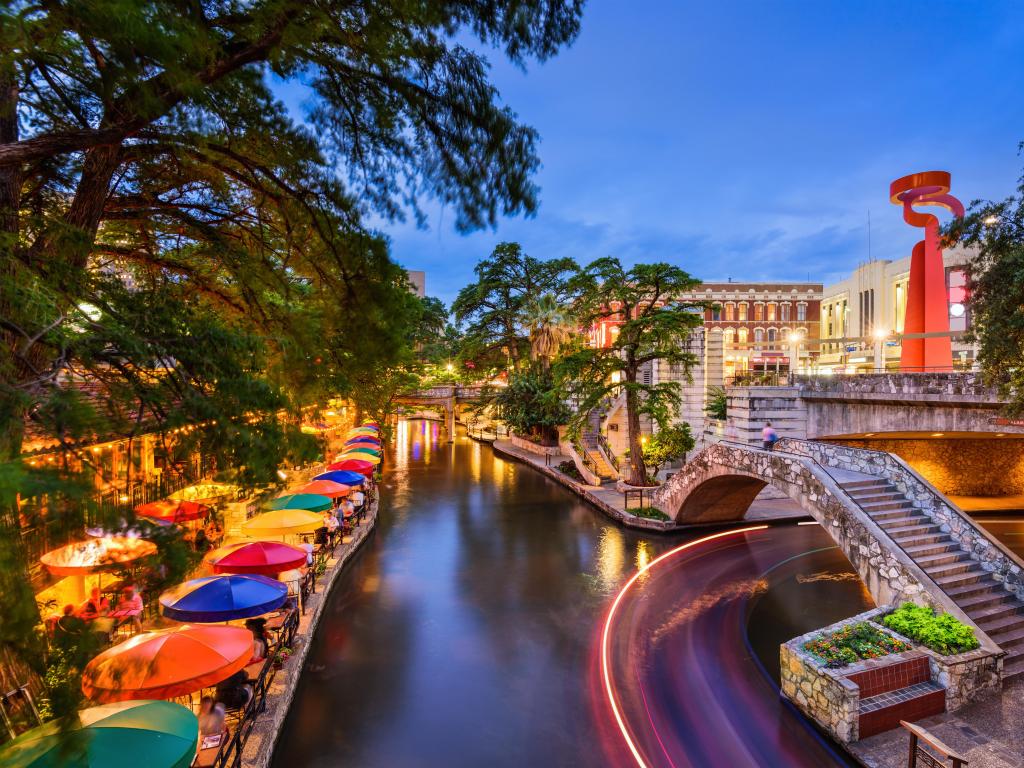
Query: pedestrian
[769, 436]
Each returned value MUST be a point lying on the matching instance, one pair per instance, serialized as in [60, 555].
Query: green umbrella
[314, 502]
[122, 735]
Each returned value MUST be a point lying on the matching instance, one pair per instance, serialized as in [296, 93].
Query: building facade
[863, 314]
[764, 326]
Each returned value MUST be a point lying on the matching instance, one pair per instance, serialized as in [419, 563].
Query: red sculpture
[927, 298]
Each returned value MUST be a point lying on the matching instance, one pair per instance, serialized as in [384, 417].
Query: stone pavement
[989, 733]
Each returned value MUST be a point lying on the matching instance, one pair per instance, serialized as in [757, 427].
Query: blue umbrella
[343, 476]
[223, 598]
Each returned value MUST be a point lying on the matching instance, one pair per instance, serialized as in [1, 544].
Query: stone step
[953, 559]
[898, 513]
[877, 498]
[1011, 637]
[904, 529]
[986, 601]
[939, 548]
[970, 576]
[1013, 669]
[866, 483]
[975, 588]
[949, 568]
[1000, 615]
[887, 506]
[921, 539]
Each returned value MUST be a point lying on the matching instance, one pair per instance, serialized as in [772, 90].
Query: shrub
[569, 468]
[853, 643]
[942, 633]
[651, 513]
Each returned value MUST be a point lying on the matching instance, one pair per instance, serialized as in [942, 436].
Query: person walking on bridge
[769, 436]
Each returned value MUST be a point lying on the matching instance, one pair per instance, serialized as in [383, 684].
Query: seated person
[347, 509]
[235, 692]
[260, 641]
[131, 601]
[97, 605]
[357, 498]
[69, 623]
[330, 522]
[211, 717]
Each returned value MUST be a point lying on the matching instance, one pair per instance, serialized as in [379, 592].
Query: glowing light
[881, 334]
[938, 434]
[991, 220]
[606, 633]
[957, 309]
[282, 474]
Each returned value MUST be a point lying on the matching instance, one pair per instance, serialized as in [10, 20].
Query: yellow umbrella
[281, 522]
[361, 455]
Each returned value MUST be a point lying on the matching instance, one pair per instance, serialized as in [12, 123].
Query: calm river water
[464, 633]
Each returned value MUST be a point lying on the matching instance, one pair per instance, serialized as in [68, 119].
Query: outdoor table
[205, 758]
[253, 670]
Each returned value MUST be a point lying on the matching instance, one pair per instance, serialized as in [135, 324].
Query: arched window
[758, 335]
[741, 336]
[759, 311]
[784, 312]
[730, 312]
[772, 336]
[801, 311]
[743, 311]
[728, 337]
[771, 312]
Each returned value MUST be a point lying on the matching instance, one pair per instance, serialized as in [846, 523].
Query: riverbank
[259, 747]
[610, 502]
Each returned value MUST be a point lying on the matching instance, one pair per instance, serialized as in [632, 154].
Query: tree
[531, 405]
[549, 328]
[718, 403]
[653, 324]
[667, 445]
[995, 284]
[494, 308]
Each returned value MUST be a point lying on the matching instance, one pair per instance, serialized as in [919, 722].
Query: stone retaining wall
[532, 447]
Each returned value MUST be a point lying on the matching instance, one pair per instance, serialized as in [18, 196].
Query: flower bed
[568, 468]
[853, 643]
[941, 632]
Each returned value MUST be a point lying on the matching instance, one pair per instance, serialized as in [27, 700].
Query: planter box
[532, 447]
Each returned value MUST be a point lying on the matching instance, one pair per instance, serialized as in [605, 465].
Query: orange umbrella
[325, 488]
[167, 663]
[174, 510]
[82, 557]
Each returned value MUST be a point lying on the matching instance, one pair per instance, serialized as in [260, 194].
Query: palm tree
[549, 328]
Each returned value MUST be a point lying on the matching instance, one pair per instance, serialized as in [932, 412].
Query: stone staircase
[957, 572]
[891, 691]
[589, 442]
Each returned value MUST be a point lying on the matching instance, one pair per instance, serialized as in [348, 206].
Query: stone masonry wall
[1003, 565]
[959, 467]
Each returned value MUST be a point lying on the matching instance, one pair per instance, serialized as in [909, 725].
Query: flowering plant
[853, 643]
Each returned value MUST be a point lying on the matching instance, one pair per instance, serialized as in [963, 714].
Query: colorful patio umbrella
[82, 557]
[371, 438]
[330, 488]
[264, 557]
[362, 443]
[226, 597]
[351, 465]
[361, 432]
[343, 476]
[282, 522]
[361, 455]
[206, 493]
[167, 663]
[159, 734]
[371, 451]
[314, 502]
[174, 510]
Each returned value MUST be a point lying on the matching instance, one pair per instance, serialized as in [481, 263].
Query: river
[466, 632]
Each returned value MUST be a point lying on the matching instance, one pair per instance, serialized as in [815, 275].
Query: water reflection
[463, 634]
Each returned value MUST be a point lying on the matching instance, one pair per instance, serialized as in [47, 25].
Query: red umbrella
[354, 465]
[268, 558]
[174, 510]
[167, 663]
[327, 488]
[356, 446]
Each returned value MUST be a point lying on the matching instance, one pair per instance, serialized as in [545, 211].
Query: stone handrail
[956, 385]
[993, 556]
[580, 460]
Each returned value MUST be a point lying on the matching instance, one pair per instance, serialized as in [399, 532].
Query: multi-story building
[763, 325]
[862, 315]
[418, 281]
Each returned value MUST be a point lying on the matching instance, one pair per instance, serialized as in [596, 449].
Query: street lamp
[794, 337]
[880, 335]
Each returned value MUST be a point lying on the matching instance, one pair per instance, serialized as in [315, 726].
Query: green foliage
[995, 286]
[649, 513]
[568, 468]
[654, 325]
[854, 643]
[718, 404]
[667, 445]
[942, 633]
[530, 403]
[495, 310]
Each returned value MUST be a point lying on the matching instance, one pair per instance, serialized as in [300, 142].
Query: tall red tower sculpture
[927, 297]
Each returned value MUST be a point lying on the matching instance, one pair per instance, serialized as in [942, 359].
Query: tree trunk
[637, 468]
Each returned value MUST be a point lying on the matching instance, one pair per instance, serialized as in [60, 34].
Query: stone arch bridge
[443, 399]
[904, 538]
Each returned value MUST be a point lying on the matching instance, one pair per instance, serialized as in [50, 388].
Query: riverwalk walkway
[259, 747]
[611, 502]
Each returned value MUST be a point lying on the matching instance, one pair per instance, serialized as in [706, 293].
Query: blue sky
[750, 139]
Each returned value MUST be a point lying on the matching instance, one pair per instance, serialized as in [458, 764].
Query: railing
[917, 755]
[608, 453]
[639, 493]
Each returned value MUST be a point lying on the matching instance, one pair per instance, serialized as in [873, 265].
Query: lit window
[801, 312]
[743, 311]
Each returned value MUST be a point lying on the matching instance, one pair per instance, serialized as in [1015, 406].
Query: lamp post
[880, 335]
[794, 337]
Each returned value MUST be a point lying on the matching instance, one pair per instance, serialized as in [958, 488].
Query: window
[759, 311]
[728, 338]
[801, 311]
[743, 311]
[784, 312]
[716, 313]
[771, 312]
[758, 336]
[956, 281]
[772, 336]
[730, 312]
[741, 336]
